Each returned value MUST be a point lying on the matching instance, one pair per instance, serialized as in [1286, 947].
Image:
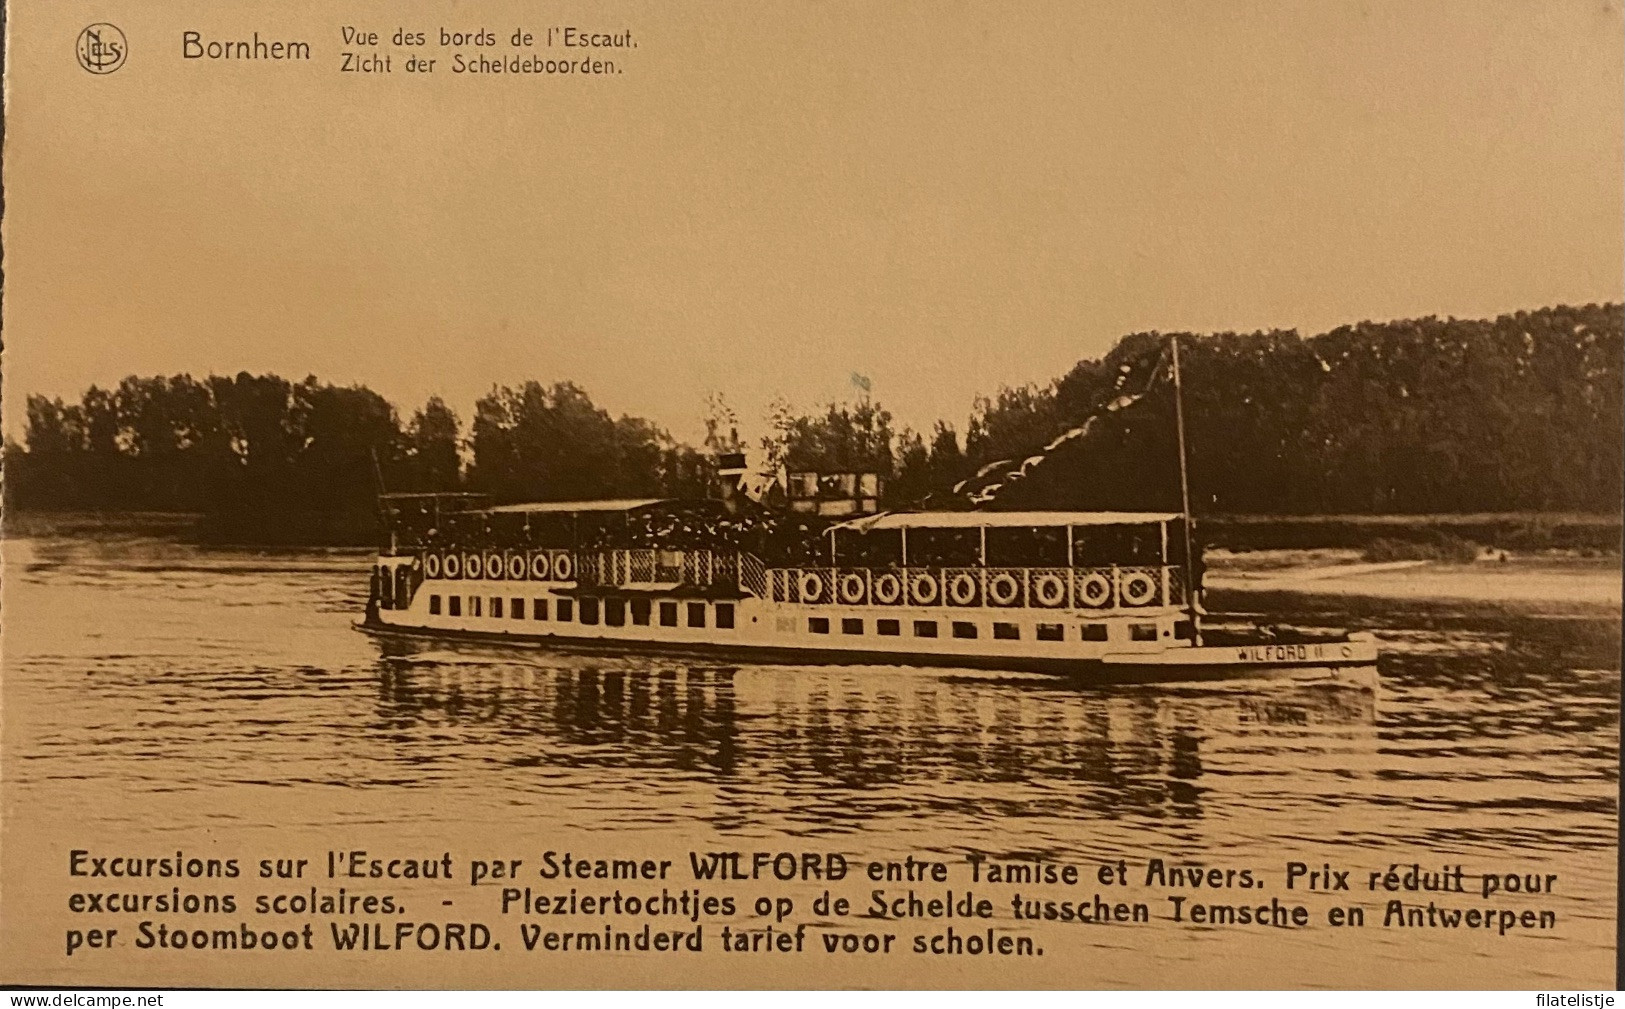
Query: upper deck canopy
[999, 520]
[430, 496]
[614, 505]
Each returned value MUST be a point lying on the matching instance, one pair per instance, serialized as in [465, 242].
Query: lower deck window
[1093, 632]
[668, 614]
[456, 604]
[1006, 632]
[434, 606]
[818, 625]
[851, 625]
[696, 614]
[925, 628]
[1142, 632]
[516, 608]
[538, 609]
[725, 615]
[888, 628]
[640, 612]
[496, 606]
[473, 606]
[964, 629]
[1184, 629]
[615, 612]
[1050, 632]
[589, 610]
[567, 610]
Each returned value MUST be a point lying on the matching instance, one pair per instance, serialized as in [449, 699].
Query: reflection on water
[857, 732]
[138, 669]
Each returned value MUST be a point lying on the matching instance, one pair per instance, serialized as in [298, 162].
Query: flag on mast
[979, 489]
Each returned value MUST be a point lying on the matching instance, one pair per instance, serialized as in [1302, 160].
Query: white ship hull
[1139, 644]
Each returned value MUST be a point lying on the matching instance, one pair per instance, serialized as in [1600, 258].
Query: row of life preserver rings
[537, 566]
[1048, 589]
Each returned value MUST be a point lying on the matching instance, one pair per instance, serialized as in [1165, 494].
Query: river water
[160, 696]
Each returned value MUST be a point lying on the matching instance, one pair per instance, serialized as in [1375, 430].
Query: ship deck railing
[1092, 588]
[610, 567]
[647, 566]
[1110, 587]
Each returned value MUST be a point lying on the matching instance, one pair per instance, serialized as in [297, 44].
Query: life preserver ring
[923, 589]
[853, 588]
[538, 566]
[962, 589]
[431, 565]
[1003, 589]
[1049, 590]
[516, 566]
[494, 568]
[563, 567]
[1139, 588]
[810, 586]
[1095, 590]
[888, 588]
[452, 565]
[472, 566]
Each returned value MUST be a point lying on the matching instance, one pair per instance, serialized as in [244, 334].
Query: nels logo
[101, 48]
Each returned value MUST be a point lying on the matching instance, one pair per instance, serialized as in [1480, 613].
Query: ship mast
[1185, 495]
[383, 507]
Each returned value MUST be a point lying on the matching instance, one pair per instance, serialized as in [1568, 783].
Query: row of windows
[612, 611]
[968, 630]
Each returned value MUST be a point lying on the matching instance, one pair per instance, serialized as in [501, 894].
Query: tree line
[264, 457]
[1522, 412]
[1519, 413]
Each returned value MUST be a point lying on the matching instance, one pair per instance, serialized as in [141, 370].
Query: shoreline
[1541, 580]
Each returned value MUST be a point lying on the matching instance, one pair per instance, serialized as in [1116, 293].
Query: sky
[944, 197]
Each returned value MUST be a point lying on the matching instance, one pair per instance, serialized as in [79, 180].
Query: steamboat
[821, 575]
[1083, 593]
[1113, 595]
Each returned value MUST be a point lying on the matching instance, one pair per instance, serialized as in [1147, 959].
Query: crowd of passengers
[783, 539]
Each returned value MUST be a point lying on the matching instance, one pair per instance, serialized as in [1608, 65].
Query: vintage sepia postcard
[1120, 494]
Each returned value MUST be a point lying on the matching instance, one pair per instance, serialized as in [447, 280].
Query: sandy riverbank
[1541, 579]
